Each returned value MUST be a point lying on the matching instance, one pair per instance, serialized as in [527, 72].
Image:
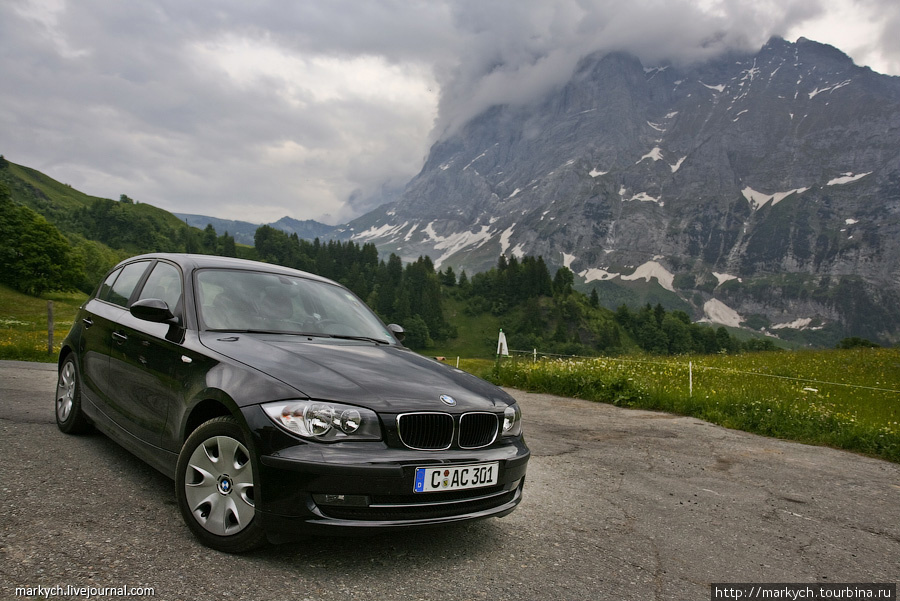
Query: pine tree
[229, 249]
[563, 281]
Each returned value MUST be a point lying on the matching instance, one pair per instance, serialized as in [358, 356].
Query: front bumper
[354, 488]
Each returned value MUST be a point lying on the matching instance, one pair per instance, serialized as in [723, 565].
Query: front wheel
[69, 416]
[216, 489]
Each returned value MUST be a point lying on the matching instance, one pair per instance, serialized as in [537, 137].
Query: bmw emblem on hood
[448, 400]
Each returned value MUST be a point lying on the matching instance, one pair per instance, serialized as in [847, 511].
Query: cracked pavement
[619, 504]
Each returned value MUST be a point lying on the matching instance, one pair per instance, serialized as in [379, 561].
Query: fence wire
[690, 367]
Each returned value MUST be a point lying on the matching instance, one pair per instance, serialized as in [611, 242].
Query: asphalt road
[619, 504]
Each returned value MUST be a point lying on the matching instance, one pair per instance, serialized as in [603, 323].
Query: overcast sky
[255, 110]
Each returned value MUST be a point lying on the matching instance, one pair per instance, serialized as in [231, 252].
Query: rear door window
[128, 279]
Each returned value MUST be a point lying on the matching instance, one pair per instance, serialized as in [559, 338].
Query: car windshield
[250, 301]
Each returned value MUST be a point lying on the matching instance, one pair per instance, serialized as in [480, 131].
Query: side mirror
[398, 332]
[153, 309]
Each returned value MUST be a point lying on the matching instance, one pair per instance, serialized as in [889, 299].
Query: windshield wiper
[253, 331]
[364, 338]
[309, 334]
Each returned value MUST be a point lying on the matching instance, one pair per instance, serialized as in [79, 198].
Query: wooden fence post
[691, 379]
[49, 327]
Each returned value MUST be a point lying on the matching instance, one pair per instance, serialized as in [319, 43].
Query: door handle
[87, 321]
[119, 337]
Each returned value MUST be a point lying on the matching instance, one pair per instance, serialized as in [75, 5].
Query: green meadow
[848, 399]
[23, 323]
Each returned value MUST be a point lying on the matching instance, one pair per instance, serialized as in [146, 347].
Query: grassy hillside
[614, 293]
[58, 201]
[52, 199]
[74, 212]
[102, 231]
[476, 334]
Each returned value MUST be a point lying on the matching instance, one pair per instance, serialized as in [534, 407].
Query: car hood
[380, 377]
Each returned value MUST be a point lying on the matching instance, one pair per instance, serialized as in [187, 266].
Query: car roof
[190, 262]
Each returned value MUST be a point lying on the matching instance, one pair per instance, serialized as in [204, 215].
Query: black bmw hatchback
[281, 405]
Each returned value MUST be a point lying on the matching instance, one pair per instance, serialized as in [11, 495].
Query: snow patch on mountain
[455, 242]
[380, 232]
[846, 179]
[644, 197]
[829, 89]
[655, 154]
[724, 277]
[759, 199]
[475, 159]
[802, 323]
[504, 239]
[715, 311]
[652, 269]
[595, 273]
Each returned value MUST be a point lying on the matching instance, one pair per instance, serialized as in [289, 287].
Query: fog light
[342, 500]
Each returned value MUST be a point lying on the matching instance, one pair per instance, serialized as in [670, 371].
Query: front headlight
[329, 422]
[512, 420]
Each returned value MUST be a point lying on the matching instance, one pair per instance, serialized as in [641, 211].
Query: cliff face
[761, 189]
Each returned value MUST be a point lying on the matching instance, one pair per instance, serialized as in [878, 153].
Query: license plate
[457, 477]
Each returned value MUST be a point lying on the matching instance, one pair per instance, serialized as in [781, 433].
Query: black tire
[215, 483]
[69, 416]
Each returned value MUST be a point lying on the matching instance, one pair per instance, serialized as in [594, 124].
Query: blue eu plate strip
[420, 480]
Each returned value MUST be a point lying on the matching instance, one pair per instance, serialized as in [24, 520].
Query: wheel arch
[64, 353]
[205, 410]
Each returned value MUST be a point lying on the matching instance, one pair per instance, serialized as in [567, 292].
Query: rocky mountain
[755, 190]
[306, 229]
[244, 231]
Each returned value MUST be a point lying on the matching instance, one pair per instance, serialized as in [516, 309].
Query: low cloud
[538, 47]
[323, 110]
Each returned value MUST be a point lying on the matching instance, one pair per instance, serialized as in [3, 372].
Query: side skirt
[160, 459]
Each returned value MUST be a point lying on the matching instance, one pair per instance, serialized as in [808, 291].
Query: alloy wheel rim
[218, 486]
[65, 392]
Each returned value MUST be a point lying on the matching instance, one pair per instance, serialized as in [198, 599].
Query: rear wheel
[69, 416]
[216, 489]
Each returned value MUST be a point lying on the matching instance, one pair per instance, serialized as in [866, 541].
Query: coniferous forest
[547, 313]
